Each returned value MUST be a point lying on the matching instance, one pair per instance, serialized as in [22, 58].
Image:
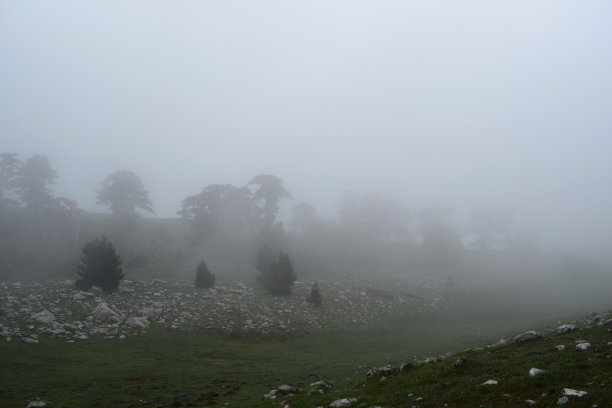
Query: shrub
[100, 266]
[315, 298]
[277, 277]
[204, 277]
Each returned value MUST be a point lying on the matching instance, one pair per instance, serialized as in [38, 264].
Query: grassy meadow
[200, 366]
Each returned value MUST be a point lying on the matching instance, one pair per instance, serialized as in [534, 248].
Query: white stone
[564, 328]
[535, 372]
[530, 402]
[343, 402]
[560, 347]
[137, 322]
[286, 389]
[151, 311]
[29, 340]
[529, 335]
[562, 401]
[36, 404]
[490, 382]
[583, 346]
[574, 393]
[104, 313]
[321, 384]
[44, 317]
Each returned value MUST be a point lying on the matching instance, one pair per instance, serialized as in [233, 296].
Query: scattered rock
[562, 401]
[343, 402]
[534, 372]
[151, 311]
[321, 384]
[530, 402]
[529, 335]
[286, 389]
[380, 371]
[29, 340]
[564, 328]
[103, 312]
[560, 347]
[574, 393]
[36, 404]
[137, 322]
[583, 346]
[490, 382]
[44, 317]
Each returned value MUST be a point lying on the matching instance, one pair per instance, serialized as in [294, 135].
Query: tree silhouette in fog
[276, 276]
[270, 191]
[220, 206]
[124, 191]
[100, 266]
[9, 169]
[32, 180]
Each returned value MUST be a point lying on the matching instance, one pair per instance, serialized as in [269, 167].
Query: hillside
[571, 366]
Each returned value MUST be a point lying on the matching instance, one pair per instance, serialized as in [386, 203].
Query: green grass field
[201, 367]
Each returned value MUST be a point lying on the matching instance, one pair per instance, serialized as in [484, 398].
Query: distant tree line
[231, 227]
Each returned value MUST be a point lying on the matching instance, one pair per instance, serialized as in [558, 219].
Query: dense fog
[404, 137]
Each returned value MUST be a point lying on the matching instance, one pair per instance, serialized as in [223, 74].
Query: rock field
[30, 312]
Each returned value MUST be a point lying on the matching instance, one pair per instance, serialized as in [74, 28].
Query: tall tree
[270, 191]
[304, 215]
[220, 205]
[9, 170]
[32, 180]
[124, 191]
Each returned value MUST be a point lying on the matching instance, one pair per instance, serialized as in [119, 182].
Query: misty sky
[468, 103]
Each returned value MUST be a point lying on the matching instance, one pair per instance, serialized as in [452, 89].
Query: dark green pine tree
[100, 266]
[277, 277]
[315, 298]
[204, 277]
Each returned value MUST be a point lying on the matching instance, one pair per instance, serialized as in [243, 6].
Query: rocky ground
[30, 312]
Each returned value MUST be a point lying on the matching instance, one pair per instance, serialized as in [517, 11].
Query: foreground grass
[200, 367]
[457, 380]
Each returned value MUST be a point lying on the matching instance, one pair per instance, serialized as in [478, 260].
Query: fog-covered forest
[197, 197]
[371, 235]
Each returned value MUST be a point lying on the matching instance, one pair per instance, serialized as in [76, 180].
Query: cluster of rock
[57, 309]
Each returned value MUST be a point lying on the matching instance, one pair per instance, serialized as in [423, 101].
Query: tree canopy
[270, 191]
[124, 191]
[32, 180]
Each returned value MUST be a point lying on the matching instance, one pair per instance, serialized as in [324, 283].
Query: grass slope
[444, 383]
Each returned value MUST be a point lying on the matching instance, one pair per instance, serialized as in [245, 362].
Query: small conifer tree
[315, 298]
[204, 277]
[277, 277]
[100, 266]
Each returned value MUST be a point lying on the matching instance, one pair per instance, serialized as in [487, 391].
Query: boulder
[529, 335]
[105, 313]
[562, 401]
[583, 346]
[490, 382]
[36, 404]
[564, 328]
[380, 371]
[151, 311]
[342, 402]
[573, 393]
[44, 317]
[286, 389]
[534, 372]
[29, 340]
[560, 347]
[137, 322]
[321, 384]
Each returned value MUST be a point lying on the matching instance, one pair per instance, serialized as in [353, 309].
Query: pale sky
[468, 103]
